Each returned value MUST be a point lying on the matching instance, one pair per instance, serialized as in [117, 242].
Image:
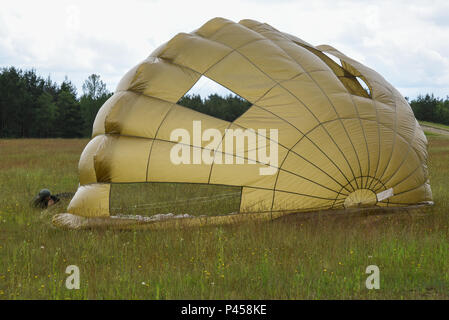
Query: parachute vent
[211, 98]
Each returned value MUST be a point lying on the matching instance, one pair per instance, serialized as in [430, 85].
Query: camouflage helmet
[44, 193]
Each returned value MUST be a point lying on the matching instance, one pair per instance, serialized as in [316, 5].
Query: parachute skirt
[71, 221]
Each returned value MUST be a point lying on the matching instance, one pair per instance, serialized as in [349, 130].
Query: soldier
[45, 199]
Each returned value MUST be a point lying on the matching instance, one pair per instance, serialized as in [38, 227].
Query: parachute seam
[344, 118]
[378, 181]
[109, 200]
[167, 60]
[364, 135]
[299, 155]
[279, 83]
[368, 177]
[395, 96]
[330, 102]
[201, 74]
[229, 185]
[155, 135]
[215, 151]
[378, 141]
[405, 157]
[308, 137]
[322, 91]
[394, 131]
[292, 151]
[328, 121]
[412, 189]
[425, 202]
[293, 210]
[241, 197]
[224, 153]
[353, 118]
[298, 175]
[230, 123]
[374, 102]
[305, 135]
[216, 31]
[408, 151]
[335, 110]
[408, 176]
[233, 122]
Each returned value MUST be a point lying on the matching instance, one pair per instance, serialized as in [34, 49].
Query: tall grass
[322, 257]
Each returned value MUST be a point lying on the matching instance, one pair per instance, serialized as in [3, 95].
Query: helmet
[44, 193]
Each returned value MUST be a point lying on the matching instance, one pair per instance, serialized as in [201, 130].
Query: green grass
[292, 258]
[431, 134]
[434, 125]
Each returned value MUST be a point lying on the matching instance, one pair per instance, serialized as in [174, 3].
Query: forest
[34, 107]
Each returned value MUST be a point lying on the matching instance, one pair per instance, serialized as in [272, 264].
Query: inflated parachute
[339, 145]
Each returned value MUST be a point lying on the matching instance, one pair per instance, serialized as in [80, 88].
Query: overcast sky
[405, 41]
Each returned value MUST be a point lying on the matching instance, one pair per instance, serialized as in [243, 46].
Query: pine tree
[70, 122]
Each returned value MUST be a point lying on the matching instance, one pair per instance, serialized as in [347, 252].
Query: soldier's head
[43, 199]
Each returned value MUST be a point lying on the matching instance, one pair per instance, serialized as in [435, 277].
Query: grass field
[435, 125]
[316, 258]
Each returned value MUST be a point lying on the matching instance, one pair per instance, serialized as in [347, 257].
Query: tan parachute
[346, 137]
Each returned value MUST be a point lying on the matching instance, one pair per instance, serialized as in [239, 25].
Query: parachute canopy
[338, 134]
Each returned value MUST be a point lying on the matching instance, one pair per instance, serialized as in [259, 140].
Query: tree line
[34, 107]
[425, 107]
[226, 108]
[430, 108]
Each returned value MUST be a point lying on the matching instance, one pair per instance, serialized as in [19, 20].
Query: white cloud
[405, 41]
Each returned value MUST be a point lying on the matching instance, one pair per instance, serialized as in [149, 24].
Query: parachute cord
[170, 203]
